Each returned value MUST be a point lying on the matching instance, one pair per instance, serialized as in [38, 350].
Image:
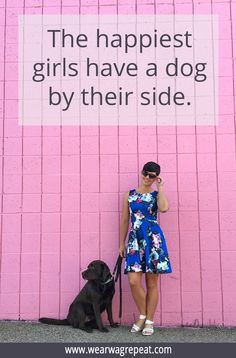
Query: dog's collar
[107, 281]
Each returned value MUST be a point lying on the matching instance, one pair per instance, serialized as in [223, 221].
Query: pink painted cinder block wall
[62, 189]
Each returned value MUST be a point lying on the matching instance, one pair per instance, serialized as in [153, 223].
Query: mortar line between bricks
[3, 135]
[99, 152]
[60, 207]
[233, 67]
[157, 146]
[41, 200]
[118, 162]
[22, 194]
[217, 185]
[197, 184]
[79, 175]
[178, 197]
[137, 133]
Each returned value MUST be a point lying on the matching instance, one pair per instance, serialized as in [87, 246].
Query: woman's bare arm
[124, 223]
[162, 201]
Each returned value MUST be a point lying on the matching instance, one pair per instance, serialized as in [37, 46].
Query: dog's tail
[61, 322]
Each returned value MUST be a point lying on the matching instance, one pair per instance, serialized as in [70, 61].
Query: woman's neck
[143, 189]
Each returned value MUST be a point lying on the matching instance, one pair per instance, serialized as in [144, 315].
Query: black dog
[96, 296]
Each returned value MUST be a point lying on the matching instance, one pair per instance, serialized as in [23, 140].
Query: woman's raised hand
[159, 182]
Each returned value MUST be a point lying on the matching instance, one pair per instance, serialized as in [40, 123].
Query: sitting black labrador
[96, 296]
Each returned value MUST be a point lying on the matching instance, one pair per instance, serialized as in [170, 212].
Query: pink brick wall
[62, 189]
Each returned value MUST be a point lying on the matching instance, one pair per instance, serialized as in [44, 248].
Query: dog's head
[97, 270]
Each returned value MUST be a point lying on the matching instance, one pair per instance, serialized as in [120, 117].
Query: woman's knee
[135, 279]
[151, 281]
[151, 286]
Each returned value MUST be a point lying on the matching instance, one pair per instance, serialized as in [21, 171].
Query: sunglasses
[151, 176]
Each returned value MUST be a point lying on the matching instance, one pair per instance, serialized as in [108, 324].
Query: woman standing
[146, 250]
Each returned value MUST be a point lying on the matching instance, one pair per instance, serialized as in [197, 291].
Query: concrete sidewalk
[33, 331]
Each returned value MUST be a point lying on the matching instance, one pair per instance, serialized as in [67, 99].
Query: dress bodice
[142, 206]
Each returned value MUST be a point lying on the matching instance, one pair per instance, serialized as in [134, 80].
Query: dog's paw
[114, 325]
[104, 329]
[88, 330]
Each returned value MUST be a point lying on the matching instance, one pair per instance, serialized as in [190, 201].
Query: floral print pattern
[146, 249]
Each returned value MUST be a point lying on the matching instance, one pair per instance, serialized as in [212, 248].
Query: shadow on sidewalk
[33, 331]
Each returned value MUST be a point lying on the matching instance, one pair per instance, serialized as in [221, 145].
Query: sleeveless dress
[146, 249]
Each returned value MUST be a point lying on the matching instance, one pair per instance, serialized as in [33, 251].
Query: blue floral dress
[146, 249]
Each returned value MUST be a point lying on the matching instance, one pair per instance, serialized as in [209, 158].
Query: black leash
[117, 269]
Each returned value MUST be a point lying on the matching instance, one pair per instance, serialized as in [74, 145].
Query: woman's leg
[152, 294]
[138, 293]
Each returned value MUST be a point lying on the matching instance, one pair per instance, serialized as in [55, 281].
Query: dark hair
[152, 167]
